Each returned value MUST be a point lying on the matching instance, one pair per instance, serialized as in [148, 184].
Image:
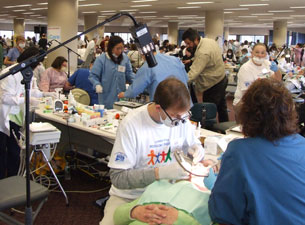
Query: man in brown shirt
[207, 71]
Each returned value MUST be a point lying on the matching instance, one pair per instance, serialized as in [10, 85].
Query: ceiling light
[36, 9]
[247, 16]
[188, 7]
[297, 7]
[28, 13]
[19, 10]
[144, 1]
[198, 3]
[262, 14]
[35, 15]
[85, 5]
[297, 15]
[139, 6]
[16, 6]
[227, 12]
[128, 10]
[148, 12]
[252, 5]
[89, 12]
[42, 3]
[108, 14]
[236, 9]
[280, 11]
[170, 16]
[108, 11]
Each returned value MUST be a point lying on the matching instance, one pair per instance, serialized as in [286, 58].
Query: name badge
[121, 69]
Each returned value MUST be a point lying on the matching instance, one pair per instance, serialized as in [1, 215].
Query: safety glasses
[176, 121]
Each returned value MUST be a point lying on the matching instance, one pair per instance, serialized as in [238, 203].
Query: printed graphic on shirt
[160, 152]
[120, 157]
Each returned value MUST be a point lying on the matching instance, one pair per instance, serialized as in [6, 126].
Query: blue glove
[210, 180]
[274, 66]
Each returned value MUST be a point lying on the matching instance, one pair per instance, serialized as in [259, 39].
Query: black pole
[27, 72]
[68, 62]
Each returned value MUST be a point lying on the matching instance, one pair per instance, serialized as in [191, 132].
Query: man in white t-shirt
[257, 67]
[145, 142]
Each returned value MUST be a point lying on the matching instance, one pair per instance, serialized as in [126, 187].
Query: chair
[81, 96]
[208, 121]
[13, 194]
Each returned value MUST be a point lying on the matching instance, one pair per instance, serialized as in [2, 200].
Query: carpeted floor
[81, 210]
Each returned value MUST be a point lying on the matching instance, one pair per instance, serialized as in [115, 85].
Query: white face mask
[258, 61]
[22, 45]
[167, 122]
[114, 55]
[63, 69]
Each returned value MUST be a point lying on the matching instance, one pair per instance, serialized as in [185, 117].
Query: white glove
[98, 89]
[34, 102]
[197, 152]
[50, 94]
[172, 171]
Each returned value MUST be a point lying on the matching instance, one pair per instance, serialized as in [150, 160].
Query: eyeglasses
[176, 121]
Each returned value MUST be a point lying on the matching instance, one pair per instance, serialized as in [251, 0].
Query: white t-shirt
[248, 73]
[143, 143]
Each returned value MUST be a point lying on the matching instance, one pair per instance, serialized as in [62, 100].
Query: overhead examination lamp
[142, 39]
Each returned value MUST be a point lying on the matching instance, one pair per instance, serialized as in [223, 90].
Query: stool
[13, 194]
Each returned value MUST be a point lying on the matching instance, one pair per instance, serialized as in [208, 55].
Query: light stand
[69, 50]
[141, 36]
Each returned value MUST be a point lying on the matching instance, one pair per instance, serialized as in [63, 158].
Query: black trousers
[217, 95]
[9, 152]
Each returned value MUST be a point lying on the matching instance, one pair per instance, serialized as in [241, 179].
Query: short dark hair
[113, 41]
[172, 92]
[267, 110]
[190, 34]
[133, 47]
[28, 53]
[58, 62]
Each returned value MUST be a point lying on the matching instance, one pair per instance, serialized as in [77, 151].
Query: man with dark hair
[146, 140]
[207, 71]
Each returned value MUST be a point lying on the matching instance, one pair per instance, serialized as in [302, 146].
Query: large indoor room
[131, 112]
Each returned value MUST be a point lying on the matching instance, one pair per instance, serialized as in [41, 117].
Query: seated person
[55, 76]
[80, 80]
[261, 179]
[244, 56]
[229, 56]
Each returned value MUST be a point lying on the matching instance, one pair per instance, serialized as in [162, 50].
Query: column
[172, 32]
[62, 23]
[18, 28]
[90, 21]
[226, 33]
[280, 32]
[213, 24]
[101, 32]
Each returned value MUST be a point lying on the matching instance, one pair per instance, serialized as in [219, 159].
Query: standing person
[262, 176]
[135, 57]
[43, 42]
[12, 115]
[146, 140]
[297, 54]
[110, 72]
[207, 71]
[104, 43]
[256, 67]
[55, 76]
[14, 53]
[149, 78]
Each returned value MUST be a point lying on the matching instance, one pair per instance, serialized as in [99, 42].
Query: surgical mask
[167, 122]
[22, 45]
[229, 54]
[63, 69]
[258, 60]
[114, 55]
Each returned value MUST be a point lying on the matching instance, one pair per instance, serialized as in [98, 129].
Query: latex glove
[274, 67]
[34, 102]
[210, 180]
[50, 94]
[172, 171]
[98, 89]
[197, 152]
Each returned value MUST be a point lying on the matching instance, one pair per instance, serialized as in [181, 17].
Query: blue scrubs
[13, 54]
[149, 78]
[79, 79]
[261, 182]
[112, 77]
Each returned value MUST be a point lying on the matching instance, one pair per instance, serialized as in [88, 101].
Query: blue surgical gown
[261, 182]
[112, 77]
[149, 78]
